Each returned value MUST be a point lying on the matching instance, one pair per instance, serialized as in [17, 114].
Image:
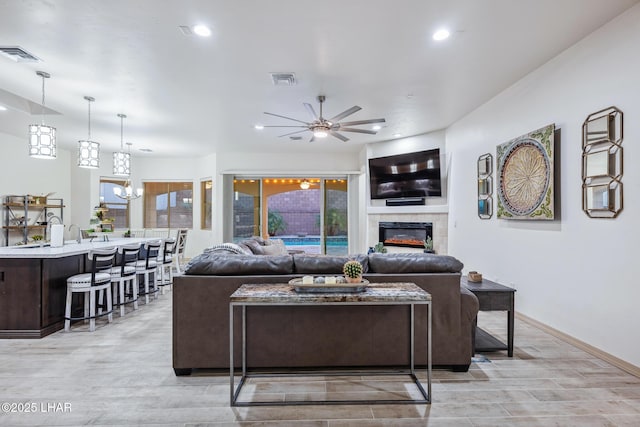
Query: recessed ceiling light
[3, 108]
[441, 35]
[202, 30]
[259, 127]
[376, 127]
[146, 150]
[397, 135]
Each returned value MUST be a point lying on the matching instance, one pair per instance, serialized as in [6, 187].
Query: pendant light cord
[43, 113]
[89, 126]
[121, 133]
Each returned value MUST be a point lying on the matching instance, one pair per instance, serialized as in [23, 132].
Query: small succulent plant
[428, 244]
[379, 248]
[352, 269]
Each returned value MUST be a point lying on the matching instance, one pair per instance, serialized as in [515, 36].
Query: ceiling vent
[283, 79]
[18, 54]
[296, 138]
[186, 30]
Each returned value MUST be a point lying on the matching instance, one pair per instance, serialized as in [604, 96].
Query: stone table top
[283, 294]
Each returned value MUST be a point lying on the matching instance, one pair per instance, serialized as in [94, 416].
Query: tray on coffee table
[298, 286]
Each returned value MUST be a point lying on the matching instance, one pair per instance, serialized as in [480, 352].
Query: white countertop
[70, 248]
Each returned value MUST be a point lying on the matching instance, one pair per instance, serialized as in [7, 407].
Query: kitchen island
[33, 284]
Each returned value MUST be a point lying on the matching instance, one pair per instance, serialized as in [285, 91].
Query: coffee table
[284, 295]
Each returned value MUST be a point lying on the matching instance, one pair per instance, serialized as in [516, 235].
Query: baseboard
[609, 358]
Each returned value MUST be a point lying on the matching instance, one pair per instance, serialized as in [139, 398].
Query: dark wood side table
[493, 297]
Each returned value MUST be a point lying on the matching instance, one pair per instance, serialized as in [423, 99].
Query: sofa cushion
[413, 263]
[254, 245]
[230, 248]
[236, 265]
[325, 264]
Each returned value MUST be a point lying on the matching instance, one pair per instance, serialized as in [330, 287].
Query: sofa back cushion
[239, 265]
[413, 263]
[325, 264]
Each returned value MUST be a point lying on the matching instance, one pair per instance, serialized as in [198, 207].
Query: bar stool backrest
[101, 260]
[128, 256]
[152, 249]
[168, 250]
[181, 241]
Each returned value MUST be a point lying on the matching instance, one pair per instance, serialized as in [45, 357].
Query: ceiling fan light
[320, 133]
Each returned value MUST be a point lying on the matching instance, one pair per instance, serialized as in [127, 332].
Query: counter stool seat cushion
[128, 271]
[142, 265]
[84, 280]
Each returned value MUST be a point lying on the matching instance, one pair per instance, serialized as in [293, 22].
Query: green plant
[379, 248]
[275, 223]
[37, 237]
[428, 244]
[352, 269]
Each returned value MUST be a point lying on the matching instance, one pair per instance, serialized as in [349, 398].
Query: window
[118, 208]
[309, 214]
[206, 198]
[168, 205]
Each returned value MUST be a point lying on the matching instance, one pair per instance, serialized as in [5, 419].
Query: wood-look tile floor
[121, 375]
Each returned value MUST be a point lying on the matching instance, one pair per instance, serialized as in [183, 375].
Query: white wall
[21, 174]
[574, 274]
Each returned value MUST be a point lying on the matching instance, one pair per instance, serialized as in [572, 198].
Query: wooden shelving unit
[26, 213]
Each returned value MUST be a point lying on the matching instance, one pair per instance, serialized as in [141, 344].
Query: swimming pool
[335, 245]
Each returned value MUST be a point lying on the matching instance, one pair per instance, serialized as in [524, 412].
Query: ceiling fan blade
[370, 132]
[362, 122]
[285, 117]
[284, 126]
[311, 111]
[313, 138]
[337, 135]
[345, 113]
[293, 133]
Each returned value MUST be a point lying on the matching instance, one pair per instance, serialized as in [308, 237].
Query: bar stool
[164, 265]
[147, 266]
[178, 253]
[99, 280]
[124, 278]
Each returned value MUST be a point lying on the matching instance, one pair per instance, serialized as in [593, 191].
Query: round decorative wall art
[525, 176]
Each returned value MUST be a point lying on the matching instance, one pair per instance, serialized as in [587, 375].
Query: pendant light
[88, 150]
[42, 139]
[128, 193]
[121, 159]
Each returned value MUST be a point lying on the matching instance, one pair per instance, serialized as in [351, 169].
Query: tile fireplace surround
[439, 223]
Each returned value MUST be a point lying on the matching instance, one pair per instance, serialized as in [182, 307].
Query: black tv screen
[406, 175]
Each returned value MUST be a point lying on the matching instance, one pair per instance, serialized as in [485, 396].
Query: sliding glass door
[308, 213]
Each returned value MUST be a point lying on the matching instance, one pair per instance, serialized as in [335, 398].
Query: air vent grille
[283, 79]
[186, 30]
[18, 54]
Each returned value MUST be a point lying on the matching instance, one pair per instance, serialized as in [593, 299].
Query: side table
[493, 297]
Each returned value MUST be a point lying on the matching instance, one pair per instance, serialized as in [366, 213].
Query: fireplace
[407, 234]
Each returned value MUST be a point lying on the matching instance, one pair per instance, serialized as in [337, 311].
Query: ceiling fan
[322, 127]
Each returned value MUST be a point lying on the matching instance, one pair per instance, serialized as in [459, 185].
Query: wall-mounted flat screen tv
[406, 175]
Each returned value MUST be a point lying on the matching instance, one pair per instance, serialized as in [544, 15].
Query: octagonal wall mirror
[485, 186]
[602, 164]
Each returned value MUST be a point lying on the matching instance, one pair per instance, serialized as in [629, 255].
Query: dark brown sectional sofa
[328, 336]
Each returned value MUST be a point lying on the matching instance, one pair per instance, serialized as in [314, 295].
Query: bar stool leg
[67, 311]
[109, 304]
[92, 310]
[134, 291]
